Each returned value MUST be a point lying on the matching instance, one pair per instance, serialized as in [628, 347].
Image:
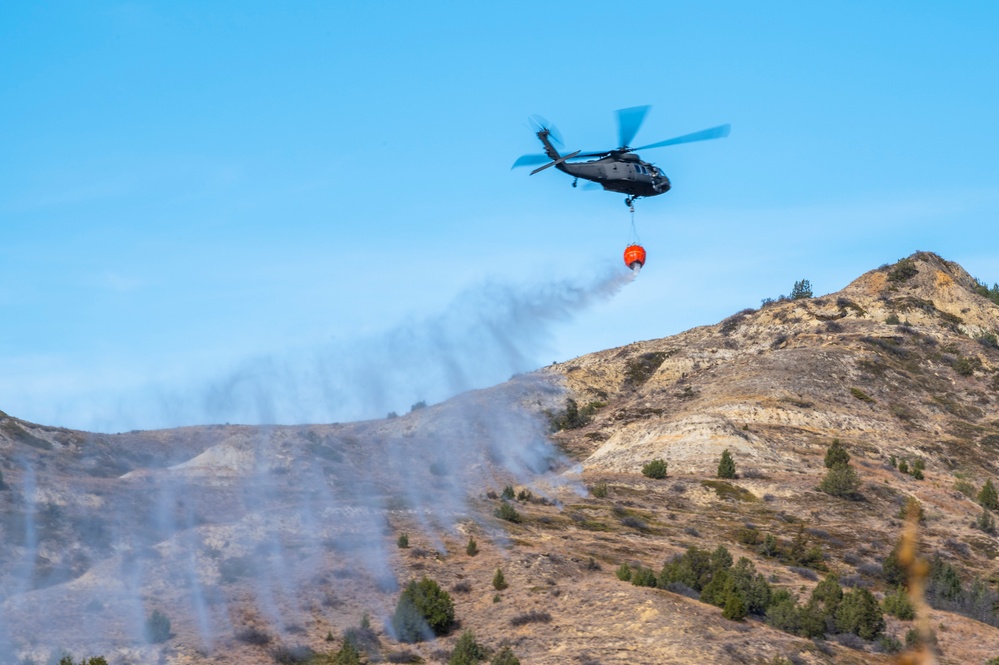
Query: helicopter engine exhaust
[634, 257]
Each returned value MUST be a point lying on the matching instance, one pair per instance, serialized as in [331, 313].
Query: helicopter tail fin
[544, 134]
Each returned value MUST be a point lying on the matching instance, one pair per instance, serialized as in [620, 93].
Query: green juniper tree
[988, 497]
[726, 467]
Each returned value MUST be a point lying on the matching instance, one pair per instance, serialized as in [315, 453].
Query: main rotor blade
[587, 155]
[530, 160]
[719, 132]
[628, 122]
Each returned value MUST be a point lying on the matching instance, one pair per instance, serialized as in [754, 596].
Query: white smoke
[271, 526]
[485, 335]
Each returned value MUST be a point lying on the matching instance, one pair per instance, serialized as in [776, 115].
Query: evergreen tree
[655, 469]
[836, 454]
[466, 651]
[860, 614]
[840, 480]
[726, 467]
[504, 657]
[802, 289]
[499, 582]
[423, 608]
[472, 548]
[347, 655]
[735, 607]
[897, 604]
[892, 570]
[986, 522]
[988, 497]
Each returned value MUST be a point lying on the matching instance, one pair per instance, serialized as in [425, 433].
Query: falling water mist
[240, 531]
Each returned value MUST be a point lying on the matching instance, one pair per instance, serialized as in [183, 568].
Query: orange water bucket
[634, 256]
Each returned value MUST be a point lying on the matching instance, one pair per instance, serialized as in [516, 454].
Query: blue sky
[184, 186]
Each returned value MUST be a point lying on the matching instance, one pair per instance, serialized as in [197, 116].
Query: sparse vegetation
[655, 469]
[640, 369]
[424, 609]
[862, 396]
[726, 467]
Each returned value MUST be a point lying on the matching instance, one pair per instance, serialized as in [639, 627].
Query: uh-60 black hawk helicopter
[617, 170]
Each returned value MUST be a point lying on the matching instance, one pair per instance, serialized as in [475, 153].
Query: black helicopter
[618, 170]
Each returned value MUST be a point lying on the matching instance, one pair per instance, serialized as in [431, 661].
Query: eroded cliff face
[900, 361]
[257, 539]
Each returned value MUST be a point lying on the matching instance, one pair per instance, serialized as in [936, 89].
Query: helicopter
[619, 170]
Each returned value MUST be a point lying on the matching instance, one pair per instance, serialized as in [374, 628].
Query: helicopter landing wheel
[630, 202]
[575, 181]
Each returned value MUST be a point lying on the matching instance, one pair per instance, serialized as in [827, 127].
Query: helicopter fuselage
[618, 171]
[626, 174]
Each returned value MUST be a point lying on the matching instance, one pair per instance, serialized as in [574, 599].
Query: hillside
[256, 541]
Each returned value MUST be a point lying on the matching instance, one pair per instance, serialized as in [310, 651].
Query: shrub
[893, 319]
[534, 616]
[499, 582]
[403, 541]
[422, 404]
[988, 497]
[504, 657]
[466, 651]
[623, 572]
[897, 604]
[888, 644]
[157, 627]
[507, 512]
[283, 655]
[472, 548]
[836, 454]
[253, 636]
[902, 271]
[655, 469]
[726, 467]
[423, 609]
[599, 490]
[643, 576]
